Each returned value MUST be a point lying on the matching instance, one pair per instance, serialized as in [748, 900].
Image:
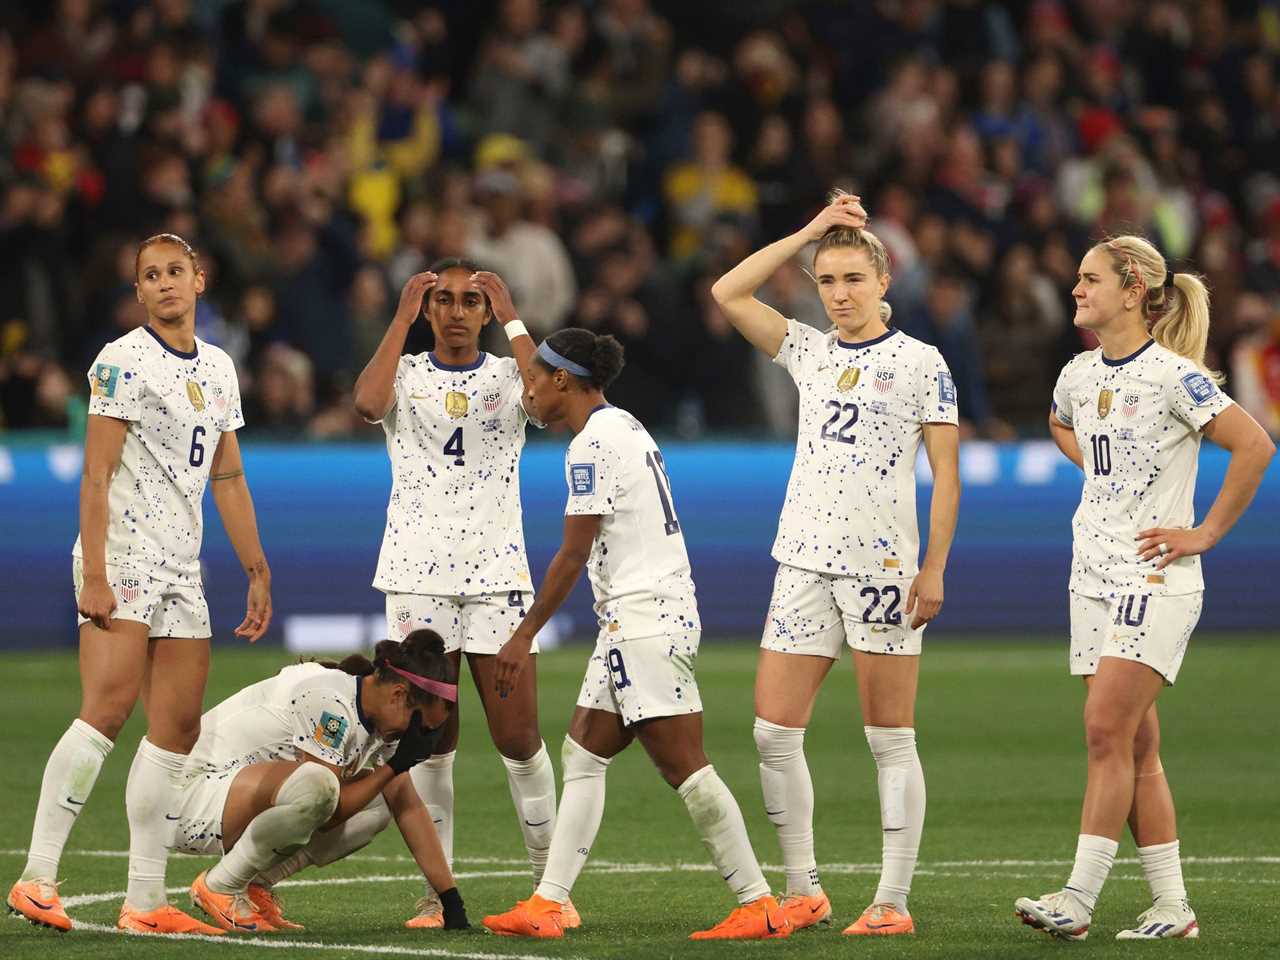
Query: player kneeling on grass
[621, 522]
[306, 767]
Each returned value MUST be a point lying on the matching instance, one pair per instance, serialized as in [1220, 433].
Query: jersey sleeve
[803, 349]
[116, 384]
[592, 472]
[388, 419]
[233, 418]
[323, 726]
[935, 390]
[1192, 396]
[1062, 400]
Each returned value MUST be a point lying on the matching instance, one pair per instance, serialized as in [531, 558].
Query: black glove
[455, 914]
[415, 744]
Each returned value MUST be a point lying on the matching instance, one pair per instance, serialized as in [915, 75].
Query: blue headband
[561, 363]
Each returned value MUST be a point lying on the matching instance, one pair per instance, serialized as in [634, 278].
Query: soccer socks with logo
[69, 776]
[433, 779]
[329, 846]
[719, 821]
[151, 799]
[533, 791]
[902, 801]
[1162, 863]
[1094, 858]
[305, 800]
[581, 808]
[788, 801]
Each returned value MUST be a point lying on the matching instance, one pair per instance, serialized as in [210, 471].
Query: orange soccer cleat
[38, 901]
[535, 917]
[761, 919]
[804, 910]
[266, 902]
[429, 915]
[570, 919]
[880, 920]
[230, 911]
[165, 919]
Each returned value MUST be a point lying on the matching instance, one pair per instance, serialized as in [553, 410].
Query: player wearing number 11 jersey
[847, 543]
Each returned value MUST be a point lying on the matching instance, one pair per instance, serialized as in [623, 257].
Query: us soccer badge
[455, 404]
[195, 395]
[849, 379]
[1104, 402]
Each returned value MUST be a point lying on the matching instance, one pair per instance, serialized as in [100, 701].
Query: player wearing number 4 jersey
[453, 557]
[847, 543]
[621, 522]
[163, 411]
[1131, 414]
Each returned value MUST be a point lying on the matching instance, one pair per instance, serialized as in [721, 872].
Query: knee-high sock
[329, 846]
[69, 776]
[719, 821]
[581, 808]
[433, 779]
[533, 791]
[1094, 858]
[303, 803]
[902, 801]
[788, 801]
[1162, 863]
[151, 793]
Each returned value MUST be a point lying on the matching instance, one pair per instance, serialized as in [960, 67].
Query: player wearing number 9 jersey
[453, 557]
[163, 410]
[621, 522]
[848, 542]
[1131, 414]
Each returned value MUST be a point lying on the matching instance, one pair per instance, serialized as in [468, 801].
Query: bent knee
[313, 791]
[107, 717]
[517, 744]
[1105, 736]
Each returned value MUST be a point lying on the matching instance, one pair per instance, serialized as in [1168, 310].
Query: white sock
[788, 801]
[902, 802]
[305, 800]
[719, 821]
[1162, 863]
[533, 791]
[1094, 858]
[433, 779]
[69, 776]
[329, 846]
[150, 795]
[581, 808]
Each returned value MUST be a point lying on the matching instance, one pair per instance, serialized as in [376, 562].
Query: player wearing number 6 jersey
[1131, 414]
[621, 522]
[453, 557]
[848, 543]
[163, 411]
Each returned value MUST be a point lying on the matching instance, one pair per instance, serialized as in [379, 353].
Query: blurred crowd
[610, 159]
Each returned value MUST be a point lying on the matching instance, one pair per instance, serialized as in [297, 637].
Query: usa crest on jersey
[884, 380]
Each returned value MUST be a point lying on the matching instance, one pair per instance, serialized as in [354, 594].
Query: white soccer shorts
[482, 623]
[169, 609]
[643, 678]
[198, 828]
[1142, 627]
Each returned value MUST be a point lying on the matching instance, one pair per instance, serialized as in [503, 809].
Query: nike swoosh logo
[773, 813]
[769, 923]
[418, 396]
[878, 926]
[169, 816]
[42, 906]
[815, 909]
[538, 824]
[726, 878]
[147, 923]
[78, 803]
[535, 926]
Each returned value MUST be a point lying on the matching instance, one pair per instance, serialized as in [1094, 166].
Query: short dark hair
[599, 353]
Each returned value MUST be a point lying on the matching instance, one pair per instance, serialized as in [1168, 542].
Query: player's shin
[305, 800]
[69, 776]
[433, 779]
[533, 791]
[902, 805]
[152, 797]
[329, 846]
[788, 802]
[581, 809]
[719, 821]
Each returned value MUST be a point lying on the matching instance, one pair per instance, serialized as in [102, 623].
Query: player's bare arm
[942, 446]
[1065, 438]
[375, 387]
[414, 822]
[103, 442]
[504, 311]
[235, 506]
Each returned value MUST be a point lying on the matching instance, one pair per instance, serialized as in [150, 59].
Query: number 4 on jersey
[453, 448]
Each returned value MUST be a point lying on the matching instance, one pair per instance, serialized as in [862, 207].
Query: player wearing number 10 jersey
[848, 543]
[453, 557]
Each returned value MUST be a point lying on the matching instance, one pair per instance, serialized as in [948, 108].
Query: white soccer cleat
[1060, 914]
[1164, 921]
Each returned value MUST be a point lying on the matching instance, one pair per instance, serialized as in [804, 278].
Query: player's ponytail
[854, 239]
[1175, 306]
[600, 355]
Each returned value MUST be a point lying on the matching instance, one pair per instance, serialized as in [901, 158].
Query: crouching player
[306, 767]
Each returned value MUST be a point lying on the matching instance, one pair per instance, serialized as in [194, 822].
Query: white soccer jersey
[639, 568]
[454, 435]
[304, 709]
[850, 508]
[178, 405]
[1138, 423]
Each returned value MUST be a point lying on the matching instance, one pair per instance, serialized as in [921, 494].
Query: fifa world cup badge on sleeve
[1199, 386]
[105, 378]
[583, 478]
[330, 730]
[946, 388]
[1104, 402]
[849, 379]
[455, 404]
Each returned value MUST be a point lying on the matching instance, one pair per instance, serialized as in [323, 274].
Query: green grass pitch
[1000, 738]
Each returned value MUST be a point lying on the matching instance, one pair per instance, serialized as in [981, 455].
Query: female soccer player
[163, 412]
[305, 768]
[453, 553]
[621, 522]
[1130, 414]
[847, 543]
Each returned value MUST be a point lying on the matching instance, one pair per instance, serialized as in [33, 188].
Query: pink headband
[445, 691]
